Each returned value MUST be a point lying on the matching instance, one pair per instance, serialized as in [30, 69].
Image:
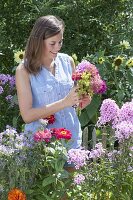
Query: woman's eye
[61, 42]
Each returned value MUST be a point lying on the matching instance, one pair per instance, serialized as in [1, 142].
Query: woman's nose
[58, 46]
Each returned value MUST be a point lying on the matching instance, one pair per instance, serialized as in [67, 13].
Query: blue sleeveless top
[47, 88]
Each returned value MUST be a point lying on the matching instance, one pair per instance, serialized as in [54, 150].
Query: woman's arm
[72, 64]
[24, 94]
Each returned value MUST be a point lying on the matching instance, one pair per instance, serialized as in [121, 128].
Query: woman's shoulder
[21, 70]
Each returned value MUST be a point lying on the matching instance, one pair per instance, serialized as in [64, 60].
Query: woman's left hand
[84, 101]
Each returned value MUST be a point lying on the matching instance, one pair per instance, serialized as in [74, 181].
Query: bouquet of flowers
[88, 79]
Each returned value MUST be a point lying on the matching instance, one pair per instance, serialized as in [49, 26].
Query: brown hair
[45, 27]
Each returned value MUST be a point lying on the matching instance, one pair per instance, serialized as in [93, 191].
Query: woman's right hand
[72, 98]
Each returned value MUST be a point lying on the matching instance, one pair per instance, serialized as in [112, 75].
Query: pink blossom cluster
[121, 119]
[97, 85]
[108, 111]
[42, 135]
[126, 112]
[124, 130]
[97, 152]
[79, 179]
[78, 157]
[113, 154]
[87, 66]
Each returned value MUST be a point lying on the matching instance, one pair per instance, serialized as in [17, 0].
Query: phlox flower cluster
[11, 141]
[78, 157]
[124, 130]
[97, 152]
[7, 85]
[6, 78]
[79, 179]
[121, 119]
[131, 148]
[113, 154]
[126, 112]
[88, 79]
[108, 111]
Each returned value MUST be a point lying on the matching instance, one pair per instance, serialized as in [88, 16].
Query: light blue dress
[47, 88]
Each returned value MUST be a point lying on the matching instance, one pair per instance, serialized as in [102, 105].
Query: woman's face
[52, 46]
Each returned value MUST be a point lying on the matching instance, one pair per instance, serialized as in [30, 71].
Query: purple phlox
[9, 97]
[113, 154]
[97, 152]
[12, 81]
[11, 132]
[124, 130]
[108, 112]
[6, 150]
[79, 179]
[1, 90]
[78, 157]
[3, 79]
[19, 141]
[131, 148]
[126, 112]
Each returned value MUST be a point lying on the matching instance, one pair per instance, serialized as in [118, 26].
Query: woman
[44, 83]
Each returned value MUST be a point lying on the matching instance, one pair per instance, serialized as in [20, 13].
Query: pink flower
[44, 135]
[79, 179]
[98, 85]
[61, 133]
[51, 119]
[108, 111]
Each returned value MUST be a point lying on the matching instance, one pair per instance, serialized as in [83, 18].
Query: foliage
[9, 111]
[34, 166]
[117, 70]
[90, 25]
[108, 172]
[37, 166]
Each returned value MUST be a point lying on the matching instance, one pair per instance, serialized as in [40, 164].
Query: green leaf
[88, 113]
[48, 180]
[130, 76]
[93, 107]
[84, 118]
[14, 122]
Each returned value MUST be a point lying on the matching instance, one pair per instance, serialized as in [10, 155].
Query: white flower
[125, 44]
[18, 56]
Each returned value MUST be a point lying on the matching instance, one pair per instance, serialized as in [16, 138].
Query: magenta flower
[78, 157]
[108, 111]
[126, 112]
[98, 85]
[79, 179]
[124, 130]
[44, 135]
[97, 152]
[87, 66]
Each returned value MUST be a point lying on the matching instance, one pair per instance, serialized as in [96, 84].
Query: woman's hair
[45, 27]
